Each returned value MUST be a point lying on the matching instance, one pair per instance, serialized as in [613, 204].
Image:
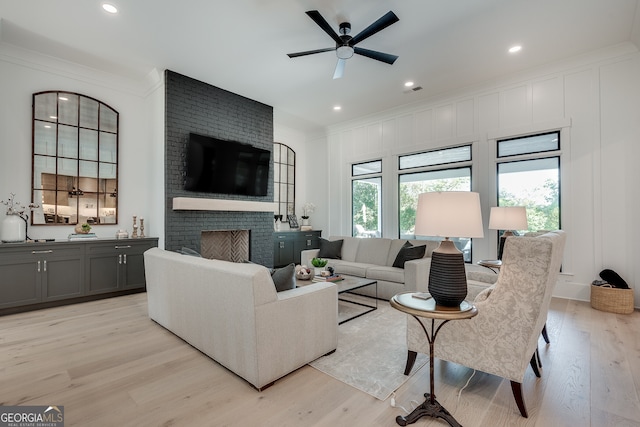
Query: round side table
[414, 304]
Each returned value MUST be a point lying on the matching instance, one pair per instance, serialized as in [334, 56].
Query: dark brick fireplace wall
[194, 106]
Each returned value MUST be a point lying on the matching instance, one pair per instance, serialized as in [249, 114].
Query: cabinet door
[61, 273]
[19, 280]
[282, 249]
[132, 275]
[304, 241]
[101, 269]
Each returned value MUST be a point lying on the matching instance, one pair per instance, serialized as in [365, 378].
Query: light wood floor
[109, 365]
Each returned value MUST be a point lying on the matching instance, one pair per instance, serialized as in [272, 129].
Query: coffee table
[347, 286]
[350, 284]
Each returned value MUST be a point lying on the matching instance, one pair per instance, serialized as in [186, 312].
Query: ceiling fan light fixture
[344, 52]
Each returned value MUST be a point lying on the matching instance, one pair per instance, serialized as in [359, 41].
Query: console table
[427, 308]
[39, 275]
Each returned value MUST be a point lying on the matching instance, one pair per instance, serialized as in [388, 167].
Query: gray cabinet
[287, 245]
[31, 274]
[36, 275]
[116, 265]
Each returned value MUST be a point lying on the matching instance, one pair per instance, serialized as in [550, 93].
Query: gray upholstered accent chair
[503, 338]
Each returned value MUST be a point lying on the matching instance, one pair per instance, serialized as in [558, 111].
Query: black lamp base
[447, 276]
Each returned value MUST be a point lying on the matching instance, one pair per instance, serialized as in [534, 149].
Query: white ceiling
[241, 45]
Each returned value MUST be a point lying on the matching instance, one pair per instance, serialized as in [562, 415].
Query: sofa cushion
[350, 268]
[396, 245]
[373, 251]
[330, 249]
[349, 247]
[407, 253]
[284, 278]
[388, 274]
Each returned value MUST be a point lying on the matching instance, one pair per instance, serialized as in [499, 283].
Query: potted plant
[318, 264]
[307, 209]
[83, 228]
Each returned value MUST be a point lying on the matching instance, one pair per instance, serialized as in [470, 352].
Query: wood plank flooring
[109, 365]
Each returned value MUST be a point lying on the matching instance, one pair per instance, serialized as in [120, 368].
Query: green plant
[86, 227]
[319, 262]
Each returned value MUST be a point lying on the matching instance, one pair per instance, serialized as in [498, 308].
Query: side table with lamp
[413, 303]
[442, 214]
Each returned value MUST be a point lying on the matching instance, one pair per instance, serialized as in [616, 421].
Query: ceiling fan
[346, 45]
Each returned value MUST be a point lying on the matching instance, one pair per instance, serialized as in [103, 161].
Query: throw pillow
[284, 278]
[407, 253]
[330, 249]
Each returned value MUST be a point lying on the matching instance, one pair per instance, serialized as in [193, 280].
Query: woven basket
[613, 300]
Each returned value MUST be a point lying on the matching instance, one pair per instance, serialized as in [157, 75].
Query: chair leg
[411, 359]
[534, 365]
[545, 335]
[516, 388]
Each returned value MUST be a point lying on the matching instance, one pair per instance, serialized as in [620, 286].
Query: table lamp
[507, 218]
[448, 214]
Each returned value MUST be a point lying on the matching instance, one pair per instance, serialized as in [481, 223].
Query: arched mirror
[75, 159]
[284, 179]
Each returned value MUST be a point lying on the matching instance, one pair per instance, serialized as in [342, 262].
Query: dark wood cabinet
[116, 265]
[287, 245]
[38, 275]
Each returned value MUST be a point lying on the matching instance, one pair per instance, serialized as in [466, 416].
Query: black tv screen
[226, 167]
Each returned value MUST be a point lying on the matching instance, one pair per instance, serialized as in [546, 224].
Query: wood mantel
[201, 204]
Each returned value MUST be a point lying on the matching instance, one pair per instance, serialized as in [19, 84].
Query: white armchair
[503, 338]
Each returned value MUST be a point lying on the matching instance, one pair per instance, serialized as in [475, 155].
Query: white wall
[24, 73]
[595, 102]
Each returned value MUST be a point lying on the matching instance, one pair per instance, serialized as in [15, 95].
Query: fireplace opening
[227, 245]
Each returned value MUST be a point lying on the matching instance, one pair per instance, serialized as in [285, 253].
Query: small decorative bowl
[303, 275]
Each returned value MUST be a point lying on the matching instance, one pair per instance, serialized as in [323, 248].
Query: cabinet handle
[308, 242]
[123, 247]
[45, 265]
[38, 266]
[42, 252]
[281, 245]
[282, 237]
[120, 259]
[125, 258]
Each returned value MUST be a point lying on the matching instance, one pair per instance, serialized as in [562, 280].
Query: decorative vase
[14, 229]
[318, 270]
[447, 275]
[305, 221]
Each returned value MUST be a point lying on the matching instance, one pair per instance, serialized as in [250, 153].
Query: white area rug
[372, 351]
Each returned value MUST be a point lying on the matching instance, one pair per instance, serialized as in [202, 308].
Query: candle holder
[134, 234]
[142, 228]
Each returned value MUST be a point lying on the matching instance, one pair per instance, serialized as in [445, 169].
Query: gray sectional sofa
[374, 258]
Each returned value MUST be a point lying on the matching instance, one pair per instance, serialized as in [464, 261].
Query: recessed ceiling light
[514, 49]
[337, 108]
[409, 84]
[109, 8]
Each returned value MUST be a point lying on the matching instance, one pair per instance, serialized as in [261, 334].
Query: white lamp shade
[449, 214]
[508, 218]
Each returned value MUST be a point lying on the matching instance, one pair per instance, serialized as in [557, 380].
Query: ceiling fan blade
[309, 52]
[374, 54]
[382, 23]
[338, 73]
[322, 23]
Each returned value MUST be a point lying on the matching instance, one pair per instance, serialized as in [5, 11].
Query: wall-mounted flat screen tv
[226, 167]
